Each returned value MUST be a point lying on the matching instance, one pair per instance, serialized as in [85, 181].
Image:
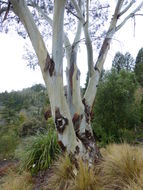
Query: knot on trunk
[60, 121]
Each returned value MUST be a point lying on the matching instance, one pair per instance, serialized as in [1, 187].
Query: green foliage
[33, 100]
[123, 62]
[8, 143]
[32, 127]
[39, 151]
[139, 67]
[115, 108]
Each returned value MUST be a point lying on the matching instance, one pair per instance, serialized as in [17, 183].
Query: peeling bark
[62, 146]
[86, 110]
[49, 65]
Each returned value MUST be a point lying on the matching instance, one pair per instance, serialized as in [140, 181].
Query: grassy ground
[120, 169]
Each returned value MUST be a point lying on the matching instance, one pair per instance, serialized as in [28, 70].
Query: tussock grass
[67, 177]
[122, 166]
[63, 173]
[39, 152]
[86, 178]
[15, 181]
[120, 169]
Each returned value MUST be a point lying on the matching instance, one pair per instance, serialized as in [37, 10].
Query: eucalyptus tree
[71, 113]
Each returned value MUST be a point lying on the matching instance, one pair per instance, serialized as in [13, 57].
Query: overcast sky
[15, 75]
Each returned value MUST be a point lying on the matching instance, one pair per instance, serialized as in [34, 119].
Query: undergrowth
[120, 169]
[15, 181]
[39, 152]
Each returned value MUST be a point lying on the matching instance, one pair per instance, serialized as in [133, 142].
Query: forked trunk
[72, 113]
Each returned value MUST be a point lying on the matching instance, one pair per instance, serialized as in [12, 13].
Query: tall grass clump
[86, 178]
[15, 181]
[39, 152]
[122, 167]
[63, 173]
[69, 174]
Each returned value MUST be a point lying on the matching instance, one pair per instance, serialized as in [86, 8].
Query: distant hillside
[28, 105]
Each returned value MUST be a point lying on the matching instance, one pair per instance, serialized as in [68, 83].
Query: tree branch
[127, 8]
[94, 79]
[78, 10]
[129, 16]
[22, 11]
[3, 9]
[50, 21]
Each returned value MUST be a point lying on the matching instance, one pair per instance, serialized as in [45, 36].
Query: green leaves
[39, 151]
[115, 108]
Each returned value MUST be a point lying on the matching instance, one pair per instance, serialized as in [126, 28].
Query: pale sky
[15, 75]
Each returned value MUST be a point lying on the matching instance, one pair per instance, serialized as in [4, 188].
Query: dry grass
[122, 166]
[86, 178]
[63, 172]
[14, 181]
[67, 177]
[120, 169]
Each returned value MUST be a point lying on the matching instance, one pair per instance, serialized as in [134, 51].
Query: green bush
[39, 152]
[8, 144]
[115, 108]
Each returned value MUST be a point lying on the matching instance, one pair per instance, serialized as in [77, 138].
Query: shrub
[39, 151]
[8, 144]
[115, 107]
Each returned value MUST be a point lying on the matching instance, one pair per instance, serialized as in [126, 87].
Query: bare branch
[127, 8]
[94, 79]
[72, 13]
[132, 14]
[87, 11]
[21, 10]
[50, 21]
[46, 17]
[78, 10]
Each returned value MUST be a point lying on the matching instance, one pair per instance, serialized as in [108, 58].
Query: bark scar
[86, 110]
[76, 122]
[49, 65]
[60, 121]
[62, 146]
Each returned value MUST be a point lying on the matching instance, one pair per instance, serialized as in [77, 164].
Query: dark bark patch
[47, 114]
[71, 71]
[62, 146]
[49, 65]
[86, 110]
[77, 74]
[77, 121]
[60, 121]
[88, 134]
[77, 150]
